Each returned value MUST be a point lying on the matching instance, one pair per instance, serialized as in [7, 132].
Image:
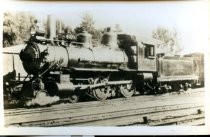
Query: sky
[188, 18]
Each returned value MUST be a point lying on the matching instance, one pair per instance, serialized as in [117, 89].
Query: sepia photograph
[92, 68]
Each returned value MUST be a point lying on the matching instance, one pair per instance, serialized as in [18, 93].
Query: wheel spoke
[40, 94]
[126, 90]
[99, 94]
[73, 98]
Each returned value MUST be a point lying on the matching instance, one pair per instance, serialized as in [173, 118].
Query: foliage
[87, 24]
[16, 27]
[169, 39]
[8, 29]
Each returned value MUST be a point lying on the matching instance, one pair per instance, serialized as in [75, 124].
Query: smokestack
[51, 27]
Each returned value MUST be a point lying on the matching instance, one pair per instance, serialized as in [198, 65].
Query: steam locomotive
[118, 66]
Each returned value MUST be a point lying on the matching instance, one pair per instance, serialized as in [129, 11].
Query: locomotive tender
[119, 66]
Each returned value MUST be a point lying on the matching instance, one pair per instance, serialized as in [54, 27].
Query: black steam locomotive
[118, 66]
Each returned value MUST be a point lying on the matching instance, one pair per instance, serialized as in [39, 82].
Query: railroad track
[160, 115]
[141, 98]
[141, 110]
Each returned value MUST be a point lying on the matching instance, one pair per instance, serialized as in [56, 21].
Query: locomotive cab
[128, 44]
[146, 57]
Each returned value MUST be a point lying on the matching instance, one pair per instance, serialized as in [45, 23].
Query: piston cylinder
[59, 88]
[65, 87]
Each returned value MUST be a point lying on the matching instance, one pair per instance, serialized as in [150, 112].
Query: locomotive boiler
[78, 66]
[118, 66]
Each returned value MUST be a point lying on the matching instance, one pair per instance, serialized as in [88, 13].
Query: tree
[87, 24]
[169, 39]
[16, 27]
[24, 20]
[8, 30]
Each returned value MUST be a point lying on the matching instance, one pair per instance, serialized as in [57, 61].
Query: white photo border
[166, 130]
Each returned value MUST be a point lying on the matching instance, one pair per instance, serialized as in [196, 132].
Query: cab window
[149, 51]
